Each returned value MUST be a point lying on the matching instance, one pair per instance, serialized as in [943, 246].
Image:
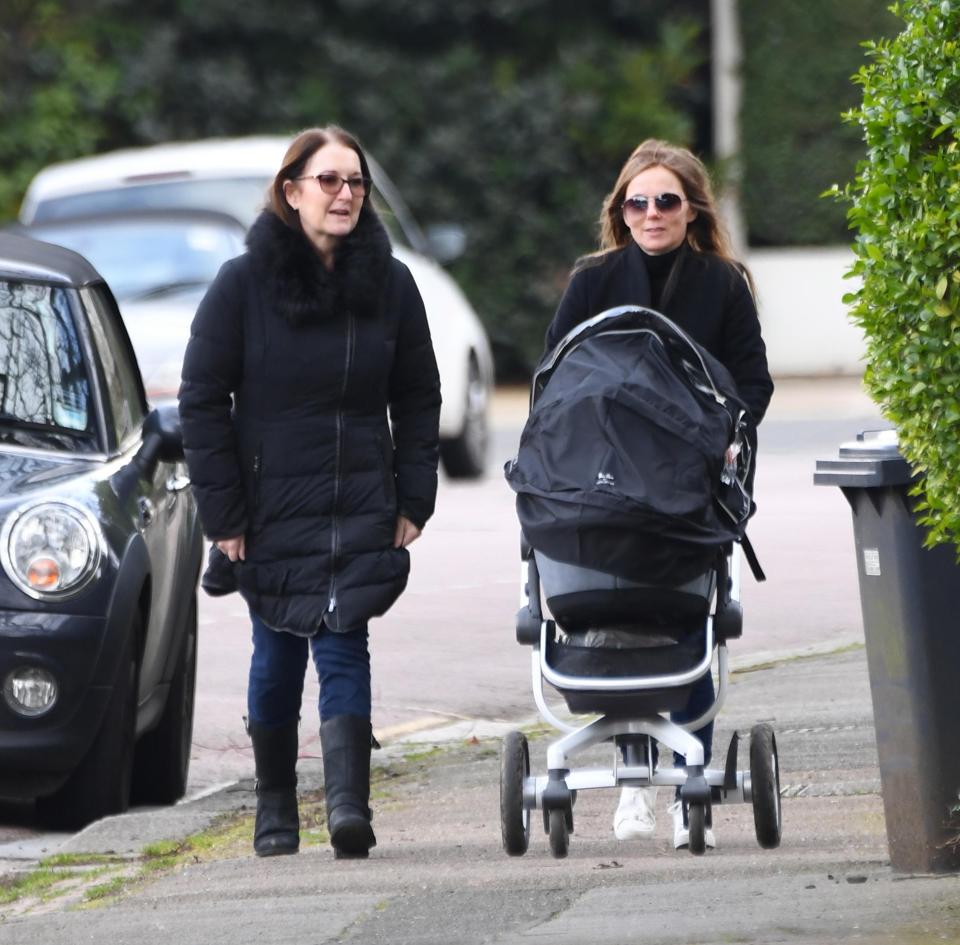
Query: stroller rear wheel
[765, 785]
[559, 833]
[514, 817]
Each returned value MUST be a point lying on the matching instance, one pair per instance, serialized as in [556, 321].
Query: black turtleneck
[658, 269]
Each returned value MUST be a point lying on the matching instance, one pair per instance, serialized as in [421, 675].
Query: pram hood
[621, 461]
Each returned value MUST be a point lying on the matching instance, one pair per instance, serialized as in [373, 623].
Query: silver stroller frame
[700, 787]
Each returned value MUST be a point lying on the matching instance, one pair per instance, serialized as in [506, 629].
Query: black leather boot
[277, 828]
[346, 740]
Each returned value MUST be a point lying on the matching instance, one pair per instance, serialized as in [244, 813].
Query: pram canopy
[621, 465]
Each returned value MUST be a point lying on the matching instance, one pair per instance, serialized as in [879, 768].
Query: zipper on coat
[335, 525]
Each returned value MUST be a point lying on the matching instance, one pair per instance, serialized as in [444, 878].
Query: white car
[231, 177]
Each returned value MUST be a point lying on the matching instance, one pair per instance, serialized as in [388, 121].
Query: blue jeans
[278, 667]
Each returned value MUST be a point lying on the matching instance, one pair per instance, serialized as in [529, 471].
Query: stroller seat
[614, 627]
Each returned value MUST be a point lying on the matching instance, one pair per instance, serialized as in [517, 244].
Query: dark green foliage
[797, 63]
[905, 208]
[510, 117]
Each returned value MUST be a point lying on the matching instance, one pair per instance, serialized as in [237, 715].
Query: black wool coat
[711, 302]
[287, 379]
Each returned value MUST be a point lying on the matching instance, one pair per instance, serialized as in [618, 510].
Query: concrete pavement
[438, 873]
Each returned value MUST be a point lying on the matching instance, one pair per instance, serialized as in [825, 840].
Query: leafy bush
[905, 207]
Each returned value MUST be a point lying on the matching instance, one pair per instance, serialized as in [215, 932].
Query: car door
[159, 505]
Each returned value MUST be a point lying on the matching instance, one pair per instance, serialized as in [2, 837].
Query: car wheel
[100, 784]
[162, 757]
[465, 456]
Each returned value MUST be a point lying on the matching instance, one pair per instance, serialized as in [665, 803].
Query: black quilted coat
[287, 380]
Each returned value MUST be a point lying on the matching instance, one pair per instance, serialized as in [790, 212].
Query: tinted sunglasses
[667, 204]
[331, 183]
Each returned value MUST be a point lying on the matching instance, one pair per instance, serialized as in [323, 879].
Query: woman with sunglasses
[296, 353]
[662, 246]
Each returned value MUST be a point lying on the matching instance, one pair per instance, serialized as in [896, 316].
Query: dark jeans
[279, 663]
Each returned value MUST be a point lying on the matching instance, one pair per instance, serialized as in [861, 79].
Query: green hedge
[797, 62]
[906, 213]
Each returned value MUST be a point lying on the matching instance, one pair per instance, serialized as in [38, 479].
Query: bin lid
[873, 459]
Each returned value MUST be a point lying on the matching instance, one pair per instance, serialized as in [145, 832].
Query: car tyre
[465, 456]
[100, 785]
[162, 758]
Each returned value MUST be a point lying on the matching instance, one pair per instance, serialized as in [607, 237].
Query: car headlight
[52, 549]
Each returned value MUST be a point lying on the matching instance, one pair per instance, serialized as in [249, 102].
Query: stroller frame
[700, 788]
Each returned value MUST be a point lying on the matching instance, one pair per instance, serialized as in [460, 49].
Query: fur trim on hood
[302, 288]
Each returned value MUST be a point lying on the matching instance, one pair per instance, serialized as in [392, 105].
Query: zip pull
[332, 606]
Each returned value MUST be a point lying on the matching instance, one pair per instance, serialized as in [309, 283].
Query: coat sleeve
[744, 353]
[212, 369]
[574, 308]
[415, 407]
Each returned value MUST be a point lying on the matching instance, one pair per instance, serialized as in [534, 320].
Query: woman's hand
[406, 532]
[233, 548]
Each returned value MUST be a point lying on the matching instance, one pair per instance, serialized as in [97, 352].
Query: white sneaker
[635, 818]
[681, 836]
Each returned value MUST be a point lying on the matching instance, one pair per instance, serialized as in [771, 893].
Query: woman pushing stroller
[662, 246]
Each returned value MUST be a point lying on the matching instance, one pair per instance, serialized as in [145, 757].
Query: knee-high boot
[346, 740]
[277, 828]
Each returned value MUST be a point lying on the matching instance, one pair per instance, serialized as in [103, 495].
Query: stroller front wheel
[697, 825]
[559, 834]
[514, 817]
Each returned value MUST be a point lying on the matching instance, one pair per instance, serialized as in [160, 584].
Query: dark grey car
[100, 550]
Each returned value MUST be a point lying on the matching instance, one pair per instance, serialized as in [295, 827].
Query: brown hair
[705, 233]
[302, 148]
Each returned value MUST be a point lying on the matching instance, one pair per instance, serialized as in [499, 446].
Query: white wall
[805, 325]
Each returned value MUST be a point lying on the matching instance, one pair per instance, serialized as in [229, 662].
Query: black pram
[631, 481]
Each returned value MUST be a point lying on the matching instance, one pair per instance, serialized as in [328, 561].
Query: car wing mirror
[162, 437]
[446, 241]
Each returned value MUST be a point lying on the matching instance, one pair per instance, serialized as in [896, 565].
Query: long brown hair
[302, 148]
[705, 233]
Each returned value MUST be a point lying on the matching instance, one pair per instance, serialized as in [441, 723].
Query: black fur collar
[298, 283]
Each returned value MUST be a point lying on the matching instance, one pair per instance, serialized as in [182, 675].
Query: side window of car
[124, 390]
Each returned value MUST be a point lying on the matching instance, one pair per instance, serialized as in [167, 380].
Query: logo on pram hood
[605, 479]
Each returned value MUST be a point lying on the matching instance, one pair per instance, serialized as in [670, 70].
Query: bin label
[871, 561]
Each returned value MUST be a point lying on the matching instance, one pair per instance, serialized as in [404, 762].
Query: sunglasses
[667, 204]
[331, 183]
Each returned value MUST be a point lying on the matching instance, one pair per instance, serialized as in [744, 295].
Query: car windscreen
[141, 258]
[240, 197]
[46, 399]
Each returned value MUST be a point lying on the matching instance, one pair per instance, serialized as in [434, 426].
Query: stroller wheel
[514, 817]
[559, 834]
[765, 785]
[697, 825]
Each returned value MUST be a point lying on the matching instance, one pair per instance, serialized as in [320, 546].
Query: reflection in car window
[44, 387]
[240, 197]
[123, 388]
